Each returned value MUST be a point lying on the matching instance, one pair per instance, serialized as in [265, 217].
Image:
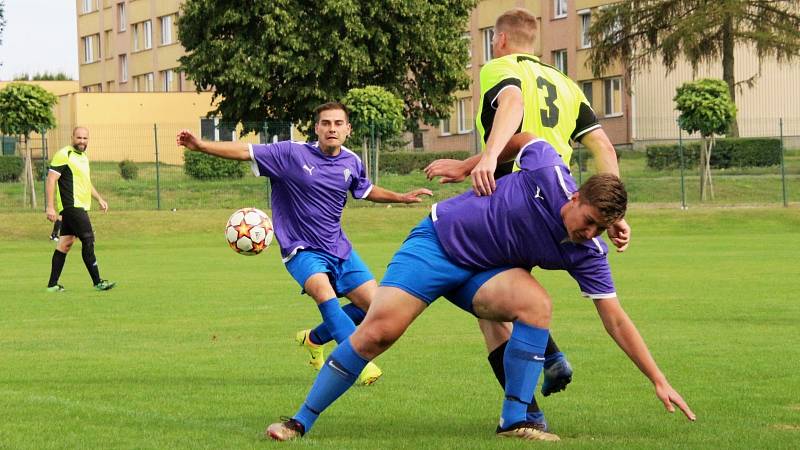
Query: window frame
[148, 34]
[170, 20]
[585, 22]
[122, 17]
[561, 60]
[560, 9]
[123, 68]
[463, 116]
[608, 97]
[487, 35]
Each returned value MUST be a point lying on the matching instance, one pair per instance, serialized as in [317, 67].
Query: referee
[69, 170]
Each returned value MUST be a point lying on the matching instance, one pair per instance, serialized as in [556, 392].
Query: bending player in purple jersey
[536, 217]
[310, 182]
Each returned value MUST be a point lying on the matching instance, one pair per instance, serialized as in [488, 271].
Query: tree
[707, 108]
[374, 112]
[281, 58]
[24, 109]
[636, 31]
[43, 76]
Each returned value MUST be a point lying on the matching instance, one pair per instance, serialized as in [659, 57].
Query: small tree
[707, 108]
[24, 109]
[374, 112]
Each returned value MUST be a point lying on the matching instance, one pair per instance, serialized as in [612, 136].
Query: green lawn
[194, 347]
[171, 188]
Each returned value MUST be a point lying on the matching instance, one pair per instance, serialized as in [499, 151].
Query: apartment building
[130, 46]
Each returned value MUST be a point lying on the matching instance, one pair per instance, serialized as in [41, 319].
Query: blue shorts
[422, 268]
[464, 294]
[345, 274]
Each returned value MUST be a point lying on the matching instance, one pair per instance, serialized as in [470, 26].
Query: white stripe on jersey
[291, 255]
[368, 191]
[433, 212]
[519, 155]
[599, 296]
[494, 100]
[253, 163]
[561, 182]
[599, 248]
[593, 127]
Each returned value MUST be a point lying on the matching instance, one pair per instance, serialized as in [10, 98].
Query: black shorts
[75, 222]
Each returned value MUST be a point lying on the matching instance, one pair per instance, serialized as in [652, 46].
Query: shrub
[205, 167]
[10, 168]
[727, 153]
[402, 163]
[128, 169]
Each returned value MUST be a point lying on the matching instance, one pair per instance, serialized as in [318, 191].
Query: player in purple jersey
[310, 182]
[535, 218]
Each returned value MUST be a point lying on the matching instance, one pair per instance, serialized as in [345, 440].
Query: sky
[39, 36]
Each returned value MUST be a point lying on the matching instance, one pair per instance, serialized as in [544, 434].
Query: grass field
[748, 186]
[194, 347]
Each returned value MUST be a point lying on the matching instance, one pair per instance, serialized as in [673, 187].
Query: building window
[149, 83]
[586, 22]
[109, 45]
[123, 68]
[135, 36]
[468, 39]
[488, 35]
[91, 50]
[559, 9]
[212, 130]
[88, 6]
[148, 34]
[166, 30]
[586, 87]
[464, 115]
[444, 127]
[168, 80]
[122, 20]
[560, 60]
[613, 96]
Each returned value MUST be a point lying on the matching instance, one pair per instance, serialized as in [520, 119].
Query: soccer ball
[249, 231]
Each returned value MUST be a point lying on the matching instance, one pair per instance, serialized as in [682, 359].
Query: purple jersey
[309, 191]
[520, 224]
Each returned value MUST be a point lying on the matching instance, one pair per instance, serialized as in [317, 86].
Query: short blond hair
[519, 25]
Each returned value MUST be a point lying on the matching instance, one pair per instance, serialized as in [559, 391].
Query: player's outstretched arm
[507, 120]
[620, 327]
[228, 150]
[381, 195]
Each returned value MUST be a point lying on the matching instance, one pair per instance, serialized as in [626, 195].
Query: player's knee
[377, 336]
[536, 312]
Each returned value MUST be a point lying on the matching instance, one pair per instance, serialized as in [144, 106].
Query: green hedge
[727, 153]
[10, 168]
[128, 169]
[206, 167]
[402, 163]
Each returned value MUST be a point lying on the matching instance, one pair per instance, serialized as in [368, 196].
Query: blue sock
[340, 326]
[522, 362]
[337, 375]
[321, 335]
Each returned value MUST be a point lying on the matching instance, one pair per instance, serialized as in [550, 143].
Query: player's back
[555, 109]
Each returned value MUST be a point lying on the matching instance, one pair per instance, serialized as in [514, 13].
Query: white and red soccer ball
[249, 231]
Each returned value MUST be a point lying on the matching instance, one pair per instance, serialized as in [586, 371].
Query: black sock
[87, 251]
[56, 266]
[496, 361]
[552, 348]
[56, 228]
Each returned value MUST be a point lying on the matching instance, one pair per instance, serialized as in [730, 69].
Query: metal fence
[161, 182]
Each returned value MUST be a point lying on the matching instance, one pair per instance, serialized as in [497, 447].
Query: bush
[128, 169]
[206, 167]
[10, 168]
[727, 153]
[402, 163]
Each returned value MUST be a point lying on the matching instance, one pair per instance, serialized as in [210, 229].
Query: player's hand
[483, 176]
[450, 170]
[415, 195]
[186, 139]
[670, 397]
[103, 204]
[620, 234]
[51, 214]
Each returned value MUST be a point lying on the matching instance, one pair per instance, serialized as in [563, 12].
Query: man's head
[514, 32]
[332, 124]
[80, 138]
[600, 202]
